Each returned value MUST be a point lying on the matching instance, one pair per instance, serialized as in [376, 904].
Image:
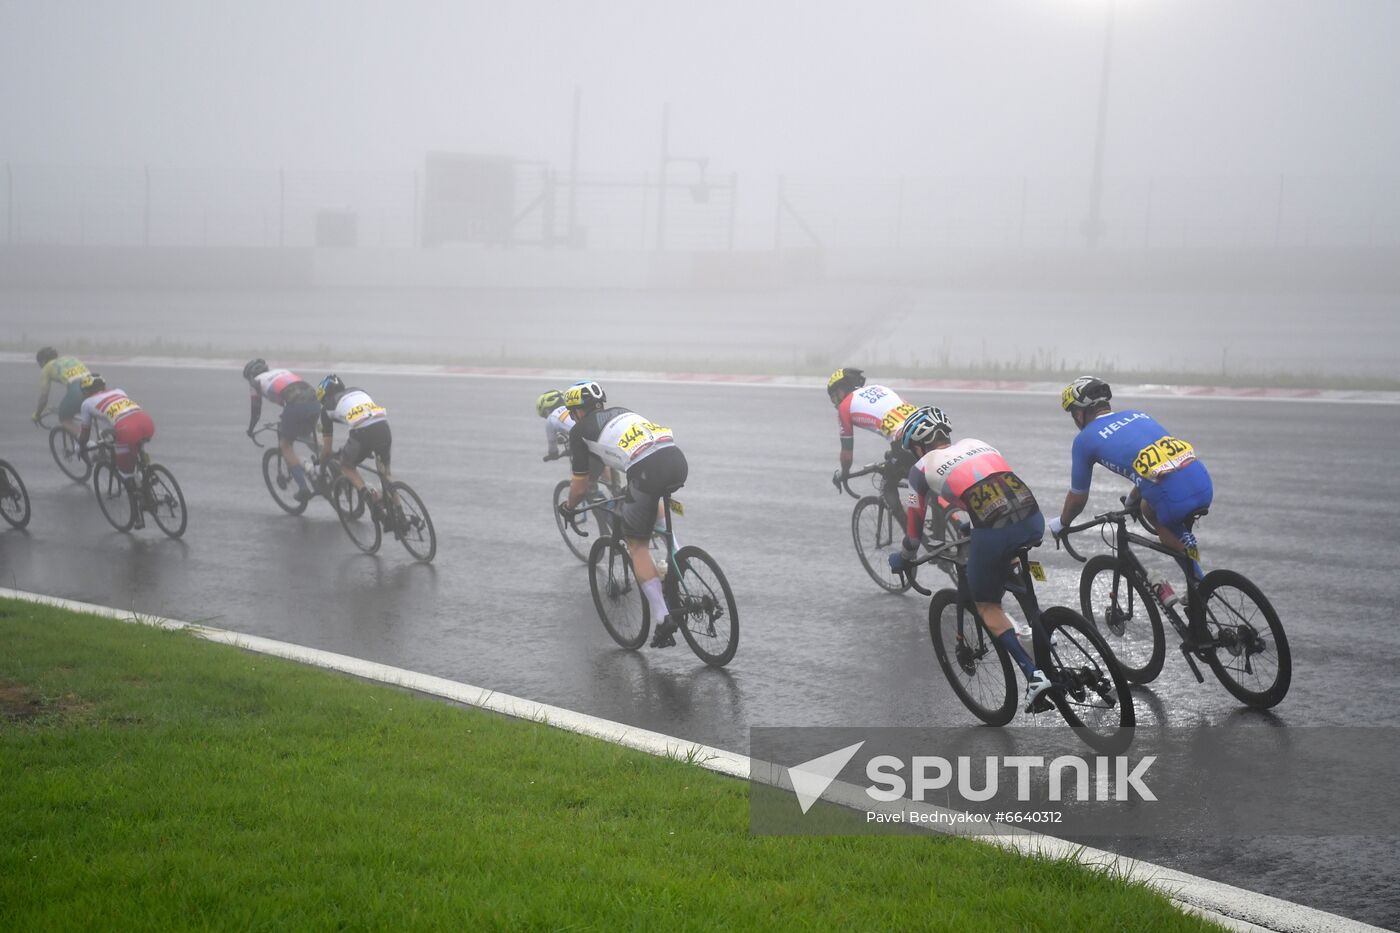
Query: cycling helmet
[925, 426]
[843, 382]
[254, 368]
[329, 389]
[1085, 392]
[92, 382]
[549, 401]
[46, 354]
[585, 395]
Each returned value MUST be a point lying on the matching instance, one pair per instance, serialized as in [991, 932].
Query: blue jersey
[1131, 444]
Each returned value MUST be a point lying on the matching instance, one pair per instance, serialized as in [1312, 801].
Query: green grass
[152, 780]
[1039, 367]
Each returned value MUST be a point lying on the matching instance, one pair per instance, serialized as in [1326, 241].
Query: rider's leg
[647, 578]
[293, 463]
[987, 557]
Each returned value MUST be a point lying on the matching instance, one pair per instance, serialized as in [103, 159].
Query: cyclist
[66, 371]
[368, 423]
[300, 410]
[1168, 478]
[879, 410]
[655, 467]
[973, 476]
[131, 427]
[557, 423]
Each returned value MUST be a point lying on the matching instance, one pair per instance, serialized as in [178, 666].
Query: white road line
[1225, 904]
[760, 381]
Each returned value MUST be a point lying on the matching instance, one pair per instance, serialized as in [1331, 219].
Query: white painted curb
[755, 380]
[1229, 906]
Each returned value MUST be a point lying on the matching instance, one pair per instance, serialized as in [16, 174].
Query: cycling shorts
[657, 475]
[363, 442]
[128, 434]
[1175, 496]
[70, 403]
[299, 416]
[990, 552]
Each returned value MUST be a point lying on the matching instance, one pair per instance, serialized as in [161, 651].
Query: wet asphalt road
[1307, 505]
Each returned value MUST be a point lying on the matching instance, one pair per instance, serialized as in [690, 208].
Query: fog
[906, 164]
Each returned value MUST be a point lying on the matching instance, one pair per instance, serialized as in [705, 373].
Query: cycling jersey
[874, 408]
[1130, 444]
[620, 438]
[973, 476]
[112, 404]
[356, 410]
[557, 426]
[66, 371]
[273, 384]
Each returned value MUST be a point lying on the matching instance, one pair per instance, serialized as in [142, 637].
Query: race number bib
[640, 435]
[118, 408]
[73, 372]
[1162, 457]
[895, 417]
[363, 412]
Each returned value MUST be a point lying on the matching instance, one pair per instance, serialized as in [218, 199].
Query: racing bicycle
[1089, 689]
[694, 586]
[150, 489]
[1224, 620]
[278, 475]
[64, 447]
[878, 532]
[595, 495]
[14, 498]
[394, 508]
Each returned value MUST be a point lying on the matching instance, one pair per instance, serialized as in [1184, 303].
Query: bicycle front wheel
[978, 667]
[1091, 691]
[165, 501]
[14, 501]
[113, 497]
[1125, 615]
[1251, 656]
[410, 522]
[618, 598]
[572, 540]
[64, 448]
[278, 477]
[877, 533]
[349, 505]
[701, 594]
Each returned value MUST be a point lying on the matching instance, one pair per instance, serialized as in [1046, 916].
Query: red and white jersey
[974, 476]
[111, 404]
[271, 384]
[874, 408]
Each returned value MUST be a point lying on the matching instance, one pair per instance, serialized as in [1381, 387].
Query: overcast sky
[809, 87]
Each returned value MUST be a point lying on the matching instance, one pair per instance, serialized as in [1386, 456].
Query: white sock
[652, 591]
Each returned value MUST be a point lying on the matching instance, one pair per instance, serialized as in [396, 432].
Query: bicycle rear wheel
[64, 448]
[1251, 658]
[1091, 691]
[14, 501]
[617, 597]
[410, 521]
[165, 501]
[877, 533]
[701, 594]
[573, 540]
[113, 497]
[349, 505]
[978, 668]
[1125, 615]
[278, 477]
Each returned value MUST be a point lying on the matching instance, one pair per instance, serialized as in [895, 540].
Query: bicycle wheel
[349, 505]
[278, 477]
[710, 620]
[978, 667]
[1091, 691]
[113, 497]
[410, 522]
[877, 533]
[64, 448]
[14, 501]
[165, 501]
[1125, 615]
[616, 595]
[574, 541]
[1251, 658]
